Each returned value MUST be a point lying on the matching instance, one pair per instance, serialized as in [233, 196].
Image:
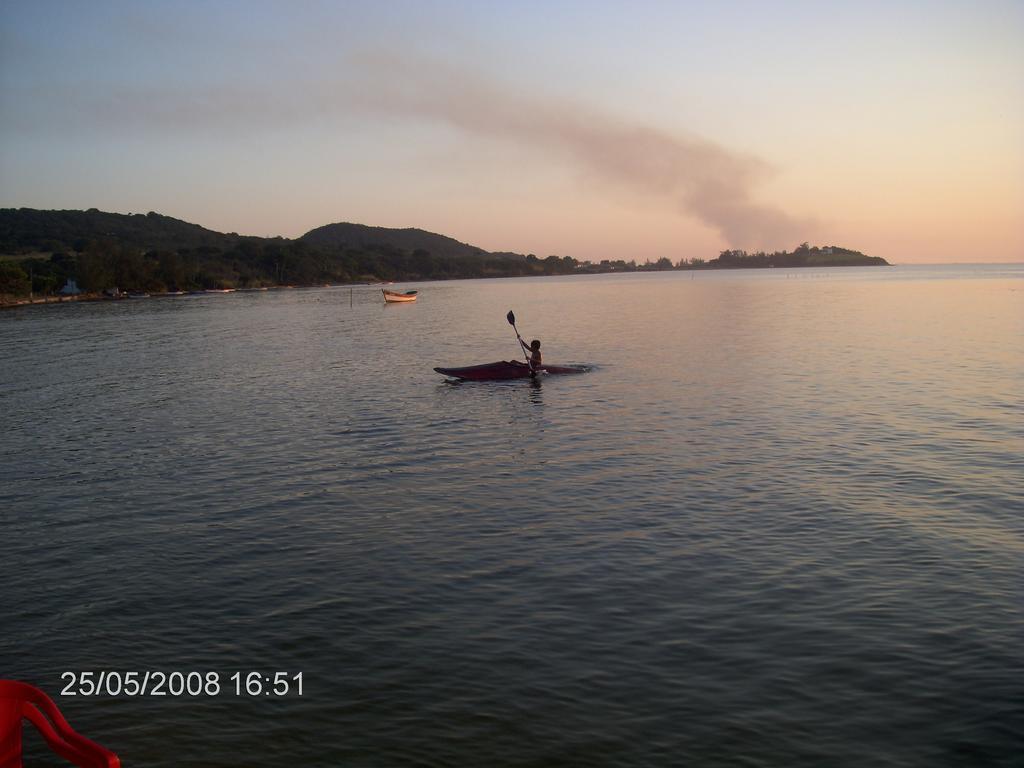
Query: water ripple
[777, 525]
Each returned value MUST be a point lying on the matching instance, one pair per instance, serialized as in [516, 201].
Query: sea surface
[779, 523]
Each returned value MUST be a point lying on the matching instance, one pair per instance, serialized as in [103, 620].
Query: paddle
[512, 321]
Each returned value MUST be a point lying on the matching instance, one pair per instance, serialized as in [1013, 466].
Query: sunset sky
[591, 129]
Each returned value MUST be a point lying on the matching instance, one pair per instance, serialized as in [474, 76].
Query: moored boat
[395, 296]
[504, 370]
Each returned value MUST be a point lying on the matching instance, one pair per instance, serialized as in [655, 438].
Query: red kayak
[503, 370]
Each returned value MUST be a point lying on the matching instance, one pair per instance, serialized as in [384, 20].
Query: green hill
[345, 235]
[40, 250]
[27, 230]
[803, 255]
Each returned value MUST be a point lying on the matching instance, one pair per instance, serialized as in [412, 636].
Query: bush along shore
[53, 256]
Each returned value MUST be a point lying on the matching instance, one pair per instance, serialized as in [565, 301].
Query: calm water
[779, 524]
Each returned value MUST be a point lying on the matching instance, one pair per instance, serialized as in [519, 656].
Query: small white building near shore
[70, 288]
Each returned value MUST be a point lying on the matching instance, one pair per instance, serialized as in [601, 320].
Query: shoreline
[9, 301]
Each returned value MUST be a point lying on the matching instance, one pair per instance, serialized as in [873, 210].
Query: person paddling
[533, 359]
[534, 352]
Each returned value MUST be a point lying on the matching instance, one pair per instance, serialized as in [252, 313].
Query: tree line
[155, 253]
[251, 262]
[804, 255]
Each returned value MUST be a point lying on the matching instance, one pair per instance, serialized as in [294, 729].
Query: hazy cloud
[701, 178]
[706, 180]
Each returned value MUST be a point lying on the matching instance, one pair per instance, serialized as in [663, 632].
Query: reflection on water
[778, 524]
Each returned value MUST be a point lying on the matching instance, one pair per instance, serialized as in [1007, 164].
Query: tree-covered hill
[804, 255]
[345, 235]
[41, 250]
[27, 230]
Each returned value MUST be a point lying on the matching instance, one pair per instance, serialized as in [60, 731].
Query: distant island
[804, 255]
[44, 253]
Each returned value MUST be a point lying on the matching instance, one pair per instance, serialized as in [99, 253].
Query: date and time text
[252, 684]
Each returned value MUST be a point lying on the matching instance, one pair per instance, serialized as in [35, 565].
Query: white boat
[395, 296]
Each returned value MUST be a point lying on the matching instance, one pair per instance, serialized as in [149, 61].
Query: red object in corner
[21, 700]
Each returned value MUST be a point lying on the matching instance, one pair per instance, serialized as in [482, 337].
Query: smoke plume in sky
[698, 177]
[705, 180]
